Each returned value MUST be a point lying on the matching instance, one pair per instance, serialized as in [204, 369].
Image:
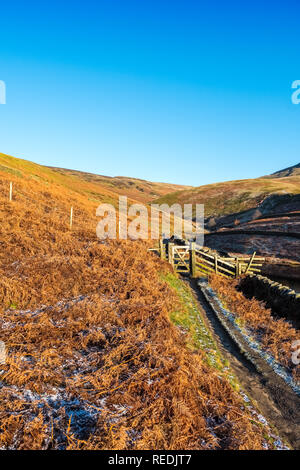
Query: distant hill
[142, 190]
[234, 196]
[96, 188]
[226, 204]
[290, 171]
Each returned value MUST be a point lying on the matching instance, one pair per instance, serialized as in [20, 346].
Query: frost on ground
[107, 372]
[270, 337]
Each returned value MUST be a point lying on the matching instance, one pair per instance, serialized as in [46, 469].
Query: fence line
[28, 198]
[190, 259]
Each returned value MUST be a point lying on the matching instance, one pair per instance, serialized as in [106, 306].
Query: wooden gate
[196, 261]
[179, 257]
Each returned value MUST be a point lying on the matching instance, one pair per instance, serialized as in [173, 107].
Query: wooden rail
[189, 258]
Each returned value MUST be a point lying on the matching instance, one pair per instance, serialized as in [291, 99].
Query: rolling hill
[96, 188]
[234, 196]
[141, 190]
[290, 171]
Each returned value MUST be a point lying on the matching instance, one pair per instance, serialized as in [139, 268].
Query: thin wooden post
[161, 249]
[10, 191]
[71, 217]
[240, 268]
[171, 253]
[216, 264]
[192, 259]
[237, 269]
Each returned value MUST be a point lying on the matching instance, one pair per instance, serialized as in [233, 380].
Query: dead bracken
[93, 359]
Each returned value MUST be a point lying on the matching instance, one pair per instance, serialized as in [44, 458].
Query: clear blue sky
[184, 91]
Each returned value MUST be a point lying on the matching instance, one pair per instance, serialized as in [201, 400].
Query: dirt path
[272, 397]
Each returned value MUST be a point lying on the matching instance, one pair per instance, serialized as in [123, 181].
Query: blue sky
[184, 91]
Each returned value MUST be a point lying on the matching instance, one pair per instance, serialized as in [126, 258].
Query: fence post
[216, 264]
[237, 267]
[192, 260]
[171, 253]
[10, 191]
[71, 217]
[161, 249]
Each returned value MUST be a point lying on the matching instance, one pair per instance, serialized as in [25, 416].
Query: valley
[106, 346]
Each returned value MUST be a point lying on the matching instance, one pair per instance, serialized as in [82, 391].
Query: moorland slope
[93, 359]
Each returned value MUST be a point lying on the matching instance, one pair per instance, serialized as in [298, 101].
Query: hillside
[93, 359]
[141, 190]
[234, 196]
[290, 171]
[23, 169]
[93, 189]
[96, 188]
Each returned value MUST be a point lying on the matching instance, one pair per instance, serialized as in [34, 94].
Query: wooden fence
[189, 258]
